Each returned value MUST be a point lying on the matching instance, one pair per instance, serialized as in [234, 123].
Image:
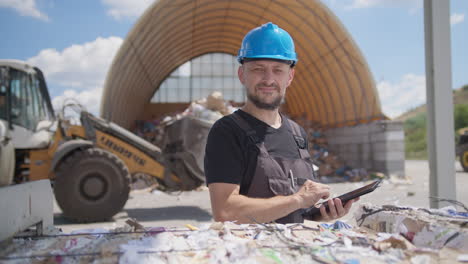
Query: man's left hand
[335, 209]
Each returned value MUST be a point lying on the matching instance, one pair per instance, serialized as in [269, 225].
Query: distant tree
[415, 131]
[461, 116]
[415, 137]
[416, 122]
[465, 87]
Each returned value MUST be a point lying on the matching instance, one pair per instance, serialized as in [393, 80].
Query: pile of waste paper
[208, 109]
[383, 235]
[331, 167]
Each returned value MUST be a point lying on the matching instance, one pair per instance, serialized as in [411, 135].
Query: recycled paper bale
[428, 228]
[226, 242]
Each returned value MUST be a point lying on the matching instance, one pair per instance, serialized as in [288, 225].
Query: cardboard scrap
[428, 228]
[135, 225]
[395, 241]
[462, 258]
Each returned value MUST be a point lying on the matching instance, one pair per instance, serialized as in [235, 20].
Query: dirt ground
[178, 209]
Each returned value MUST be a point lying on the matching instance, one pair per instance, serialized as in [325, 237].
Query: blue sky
[74, 42]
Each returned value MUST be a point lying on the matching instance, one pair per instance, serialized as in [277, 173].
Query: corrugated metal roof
[332, 85]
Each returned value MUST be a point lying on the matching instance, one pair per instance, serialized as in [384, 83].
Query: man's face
[266, 82]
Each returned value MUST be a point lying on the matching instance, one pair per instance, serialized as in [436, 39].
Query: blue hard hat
[268, 42]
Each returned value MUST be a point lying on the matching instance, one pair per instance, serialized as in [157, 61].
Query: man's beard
[263, 105]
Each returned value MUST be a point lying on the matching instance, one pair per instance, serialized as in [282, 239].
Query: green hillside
[415, 124]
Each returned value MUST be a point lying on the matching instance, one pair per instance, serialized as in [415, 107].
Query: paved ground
[162, 209]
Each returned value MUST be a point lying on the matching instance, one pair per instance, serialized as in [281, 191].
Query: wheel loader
[90, 163]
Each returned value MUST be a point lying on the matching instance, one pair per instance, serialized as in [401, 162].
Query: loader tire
[91, 185]
[464, 157]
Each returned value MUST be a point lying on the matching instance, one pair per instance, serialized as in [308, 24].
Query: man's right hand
[311, 192]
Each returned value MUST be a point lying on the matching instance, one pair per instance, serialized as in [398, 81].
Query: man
[257, 164]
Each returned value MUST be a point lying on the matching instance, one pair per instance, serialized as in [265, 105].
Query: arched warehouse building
[333, 84]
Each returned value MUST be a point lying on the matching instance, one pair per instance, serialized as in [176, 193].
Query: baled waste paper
[382, 235]
[428, 228]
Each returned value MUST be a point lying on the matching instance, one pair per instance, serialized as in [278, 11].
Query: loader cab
[25, 104]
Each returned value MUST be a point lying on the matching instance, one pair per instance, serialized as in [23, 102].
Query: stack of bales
[332, 168]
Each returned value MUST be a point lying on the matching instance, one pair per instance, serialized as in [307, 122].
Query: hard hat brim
[256, 58]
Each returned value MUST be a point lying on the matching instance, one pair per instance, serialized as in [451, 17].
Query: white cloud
[90, 99]
[80, 68]
[456, 18]
[366, 3]
[396, 98]
[119, 9]
[24, 8]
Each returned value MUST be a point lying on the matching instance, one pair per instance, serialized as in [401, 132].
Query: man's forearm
[262, 210]
[228, 205]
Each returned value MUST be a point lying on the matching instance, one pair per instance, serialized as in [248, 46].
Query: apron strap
[300, 140]
[301, 144]
[254, 140]
[249, 131]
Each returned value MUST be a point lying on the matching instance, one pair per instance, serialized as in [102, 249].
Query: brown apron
[276, 175]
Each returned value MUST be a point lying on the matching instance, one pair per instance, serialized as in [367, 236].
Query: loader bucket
[184, 148]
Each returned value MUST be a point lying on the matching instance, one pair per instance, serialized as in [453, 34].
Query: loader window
[17, 81]
[3, 102]
[39, 106]
[27, 103]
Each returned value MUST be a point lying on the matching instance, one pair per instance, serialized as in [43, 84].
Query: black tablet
[344, 197]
